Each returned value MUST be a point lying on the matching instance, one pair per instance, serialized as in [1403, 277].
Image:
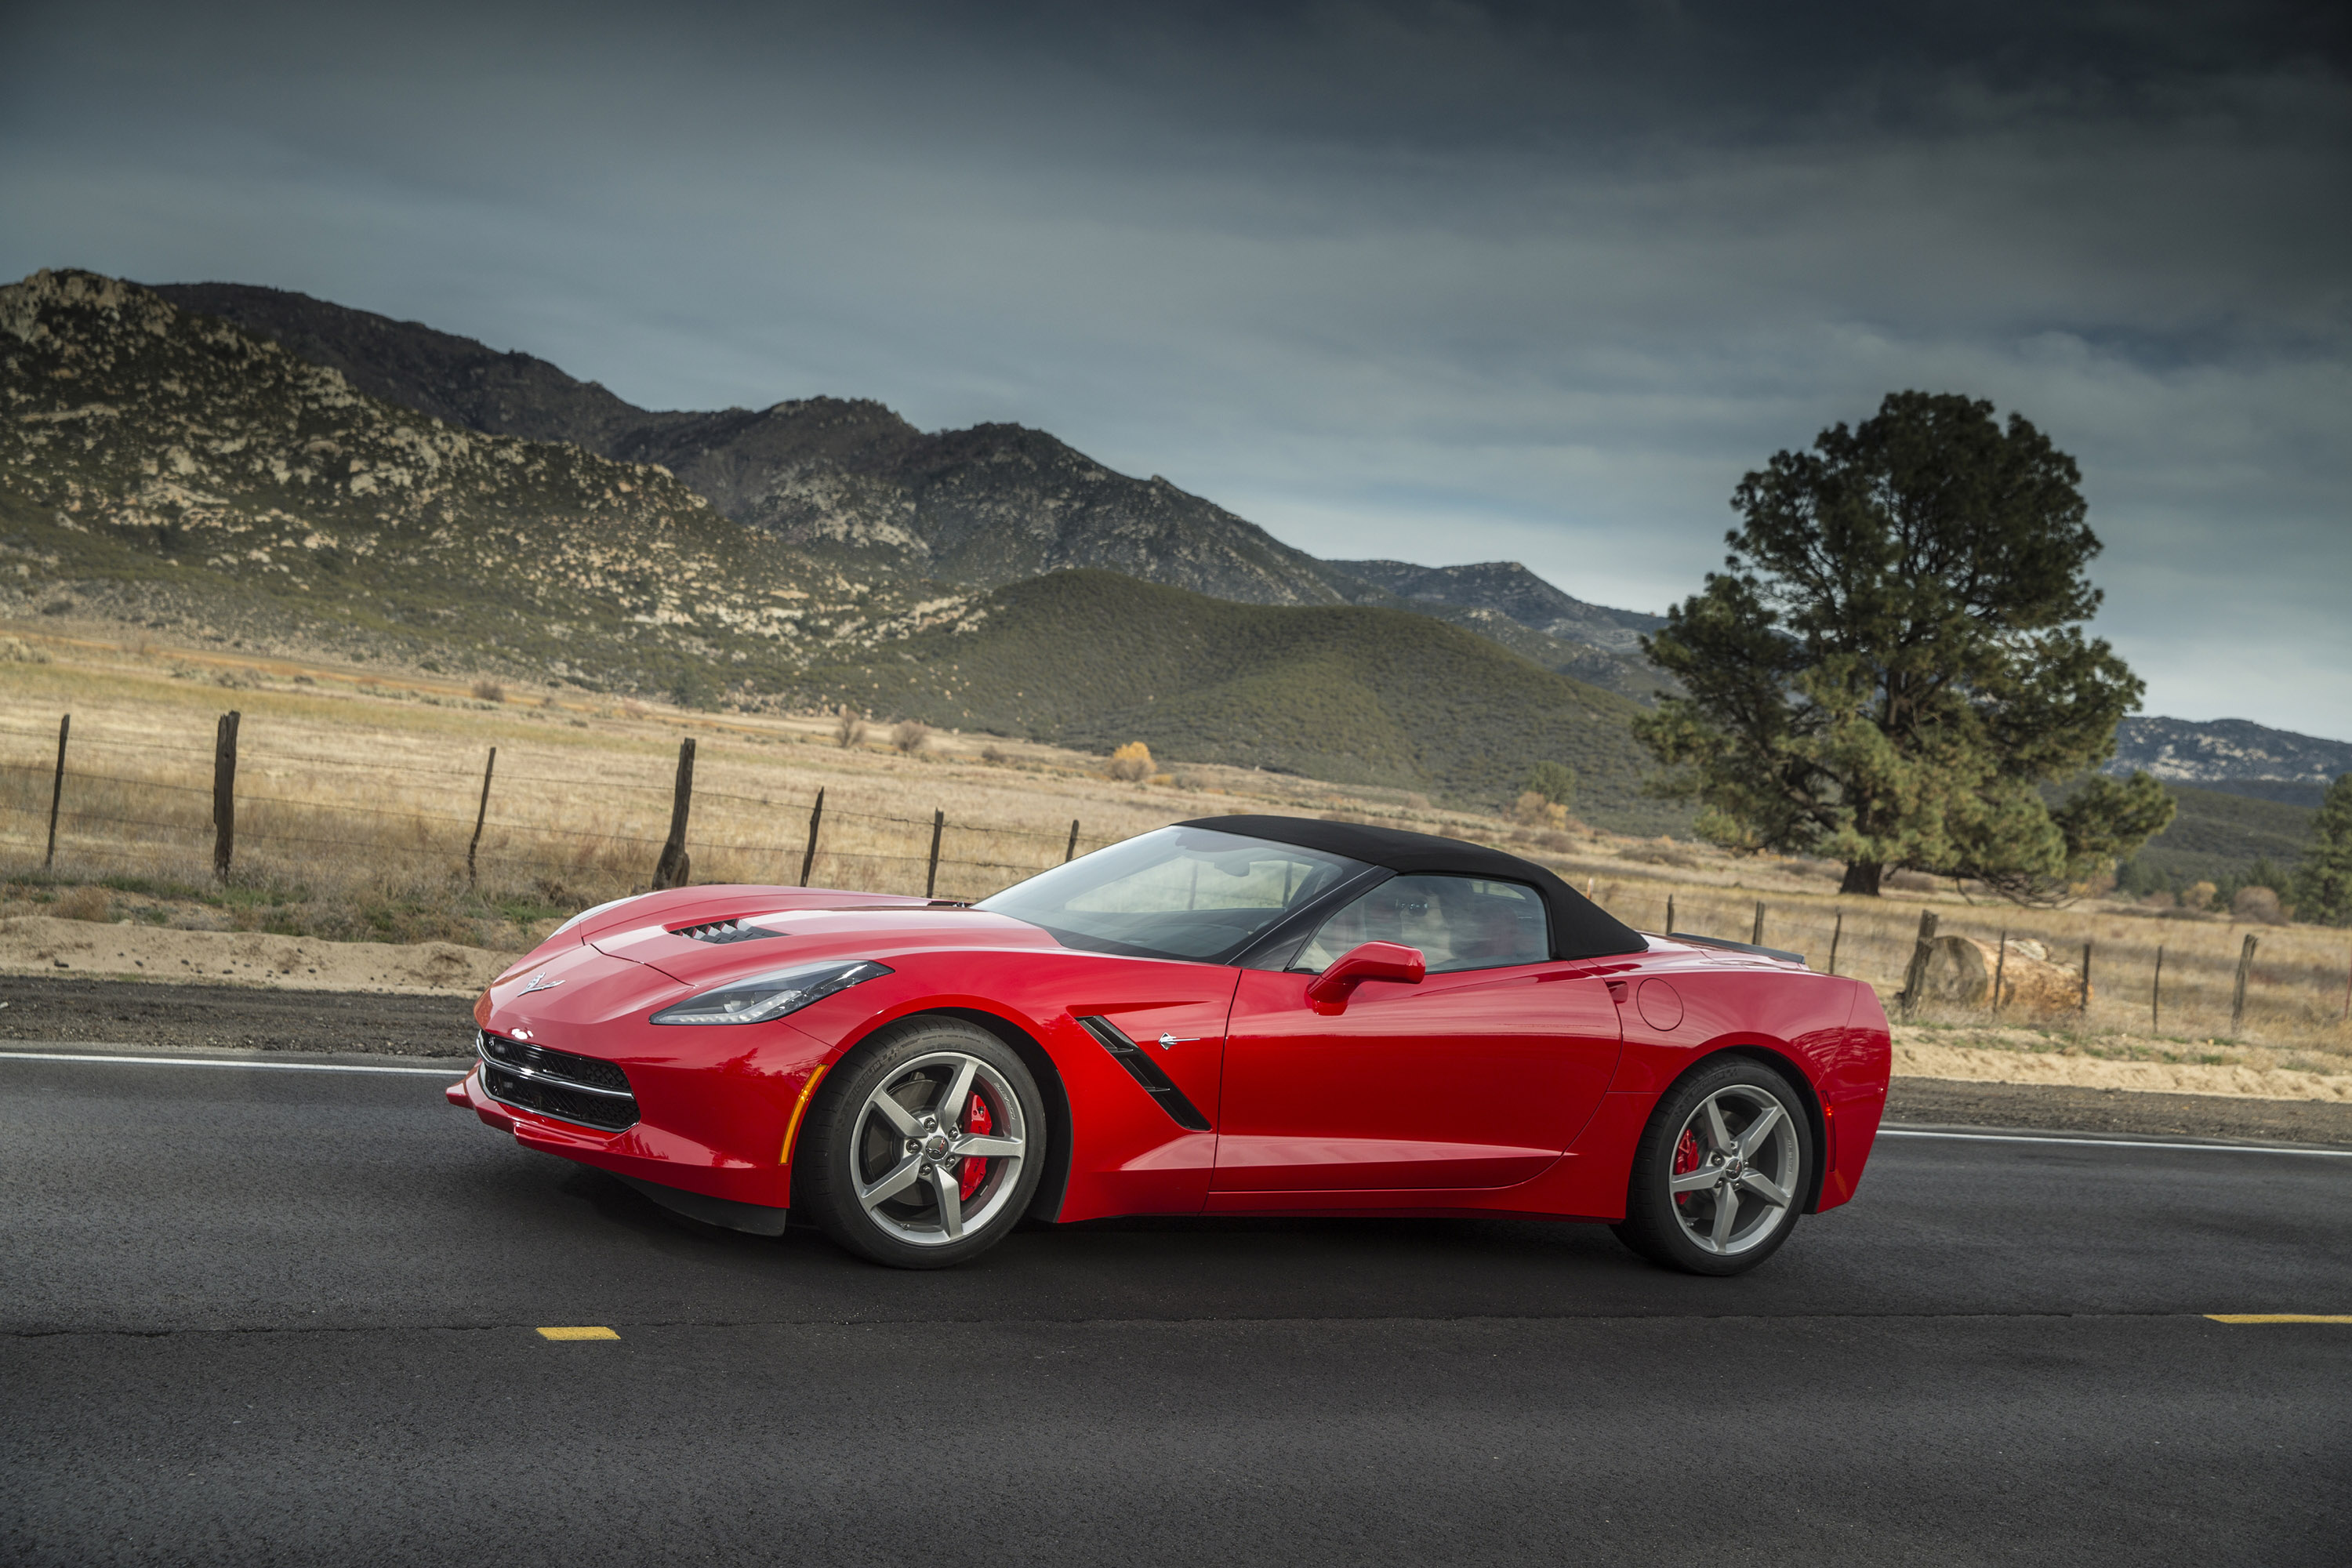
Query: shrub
[1556, 782]
[995, 755]
[82, 903]
[1538, 810]
[1131, 764]
[848, 727]
[2258, 904]
[489, 691]
[2198, 895]
[911, 736]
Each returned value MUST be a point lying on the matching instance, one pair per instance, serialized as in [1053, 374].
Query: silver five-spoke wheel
[1723, 1170]
[1737, 1162]
[938, 1147]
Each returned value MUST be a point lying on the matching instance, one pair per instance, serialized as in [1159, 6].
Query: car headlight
[765, 996]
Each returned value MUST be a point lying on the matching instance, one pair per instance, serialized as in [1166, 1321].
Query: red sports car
[1241, 1014]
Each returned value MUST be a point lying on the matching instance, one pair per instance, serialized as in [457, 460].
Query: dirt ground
[42, 944]
[253, 1017]
[1916, 1056]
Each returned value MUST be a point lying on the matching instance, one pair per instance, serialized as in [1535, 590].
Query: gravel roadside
[241, 1017]
[2055, 1108]
[247, 1017]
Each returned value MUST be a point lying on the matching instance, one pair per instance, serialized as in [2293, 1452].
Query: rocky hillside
[2233, 756]
[852, 483]
[161, 465]
[1507, 588]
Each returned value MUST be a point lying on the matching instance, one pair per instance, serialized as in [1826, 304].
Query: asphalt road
[255, 1316]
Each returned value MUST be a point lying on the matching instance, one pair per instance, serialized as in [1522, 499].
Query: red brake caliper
[1685, 1159]
[976, 1120]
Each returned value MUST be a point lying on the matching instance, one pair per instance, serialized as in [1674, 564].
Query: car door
[1478, 1076]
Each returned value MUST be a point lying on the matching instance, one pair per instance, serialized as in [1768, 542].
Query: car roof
[1579, 928]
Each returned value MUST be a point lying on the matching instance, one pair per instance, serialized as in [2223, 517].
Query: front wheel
[926, 1146]
[1720, 1173]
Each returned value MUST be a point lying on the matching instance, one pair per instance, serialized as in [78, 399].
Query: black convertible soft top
[1579, 928]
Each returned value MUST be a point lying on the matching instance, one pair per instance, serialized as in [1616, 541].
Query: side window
[1457, 922]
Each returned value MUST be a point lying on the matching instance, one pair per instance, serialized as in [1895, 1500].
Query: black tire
[855, 1144]
[1696, 1231]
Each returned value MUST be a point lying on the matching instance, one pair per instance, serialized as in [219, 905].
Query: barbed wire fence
[235, 811]
[137, 802]
[2159, 977]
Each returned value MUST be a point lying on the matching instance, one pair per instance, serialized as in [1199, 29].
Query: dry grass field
[358, 788]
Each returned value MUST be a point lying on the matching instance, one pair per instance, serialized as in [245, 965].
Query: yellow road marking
[579, 1333]
[2280, 1318]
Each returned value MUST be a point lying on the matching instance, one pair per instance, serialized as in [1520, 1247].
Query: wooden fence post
[1072, 852]
[57, 792]
[2156, 993]
[1917, 976]
[1670, 915]
[931, 877]
[225, 794]
[2000, 968]
[2086, 1007]
[1836, 931]
[2348, 990]
[675, 866]
[2238, 995]
[808, 857]
[480, 815]
[1756, 936]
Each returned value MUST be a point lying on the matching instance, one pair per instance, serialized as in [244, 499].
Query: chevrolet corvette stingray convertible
[1241, 1014]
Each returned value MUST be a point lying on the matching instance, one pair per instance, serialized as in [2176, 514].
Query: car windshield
[1182, 892]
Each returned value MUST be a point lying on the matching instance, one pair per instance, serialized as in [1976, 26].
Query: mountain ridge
[167, 469]
[852, 482]
[2235, 756]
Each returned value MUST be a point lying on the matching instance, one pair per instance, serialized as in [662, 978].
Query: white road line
[442, 1073]
[2115, 1144]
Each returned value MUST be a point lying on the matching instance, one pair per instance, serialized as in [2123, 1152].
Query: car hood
[700, 951]
[652, 950]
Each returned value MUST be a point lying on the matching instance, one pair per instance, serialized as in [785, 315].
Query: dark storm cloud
[1444, 281]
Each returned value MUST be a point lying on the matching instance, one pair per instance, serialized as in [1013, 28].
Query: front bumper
[647, 1157]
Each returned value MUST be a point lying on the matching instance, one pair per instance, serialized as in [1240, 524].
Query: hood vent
[725, 931]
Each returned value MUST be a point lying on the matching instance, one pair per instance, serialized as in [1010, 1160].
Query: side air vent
[725, 931]
[1145, 1071]
[556, 1083]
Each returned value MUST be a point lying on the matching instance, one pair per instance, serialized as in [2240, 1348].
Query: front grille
[725, 931]
[556, 1083]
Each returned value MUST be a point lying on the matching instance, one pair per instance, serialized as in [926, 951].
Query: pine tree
[2323, 889]
[1894, 666]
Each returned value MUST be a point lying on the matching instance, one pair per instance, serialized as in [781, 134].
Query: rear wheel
[1720, 1173]
[925, 1147]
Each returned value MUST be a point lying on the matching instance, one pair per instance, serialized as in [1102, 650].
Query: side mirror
[1372, 960]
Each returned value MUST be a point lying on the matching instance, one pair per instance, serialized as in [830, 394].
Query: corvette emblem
[540, 981]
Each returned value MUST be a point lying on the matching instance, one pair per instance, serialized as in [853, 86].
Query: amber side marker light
[2280, 1316]
[579, 1333]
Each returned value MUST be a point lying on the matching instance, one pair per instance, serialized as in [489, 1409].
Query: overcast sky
[1443, 282]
